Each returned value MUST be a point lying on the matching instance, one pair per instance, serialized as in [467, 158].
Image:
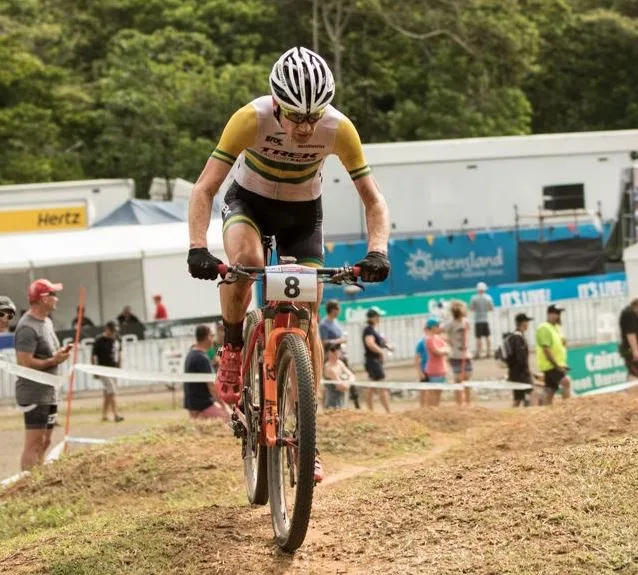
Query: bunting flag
[471, 235]
[450, 238]
[430, 239]
[572, 227]
[330, 246]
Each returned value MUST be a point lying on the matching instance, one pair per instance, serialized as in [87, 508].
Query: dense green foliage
[143, 88]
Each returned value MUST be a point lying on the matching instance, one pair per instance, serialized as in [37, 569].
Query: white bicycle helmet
[301, 81]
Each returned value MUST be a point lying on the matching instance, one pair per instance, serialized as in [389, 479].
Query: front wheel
[254, 454]
[291, 463]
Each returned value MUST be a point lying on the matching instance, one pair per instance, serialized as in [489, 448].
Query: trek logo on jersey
[274, 141]
[295, 156]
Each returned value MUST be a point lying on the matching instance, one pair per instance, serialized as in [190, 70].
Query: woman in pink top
[436, 367]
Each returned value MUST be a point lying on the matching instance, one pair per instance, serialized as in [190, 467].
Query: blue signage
[456, 263]
[545, 292]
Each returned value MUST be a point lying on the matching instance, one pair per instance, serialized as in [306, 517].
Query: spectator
[421, 357]
[160, 308]
[86, 322]
[436, 367]
[374, 345]
[7, 313]
[218, 342]
[481, 304]
[517, 359]
[330, 332]
[38, 347]
[551, 355]
[335, 370]
[106, 352]
[629, 338]
[127, 317]
[460, 357]
[199, 395]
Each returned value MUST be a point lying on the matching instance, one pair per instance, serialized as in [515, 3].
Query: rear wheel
[291, 463]
[255, 456]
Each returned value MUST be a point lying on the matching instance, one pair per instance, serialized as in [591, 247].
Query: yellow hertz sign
[43, 219]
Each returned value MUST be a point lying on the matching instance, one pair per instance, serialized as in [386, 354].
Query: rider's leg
[242, 244]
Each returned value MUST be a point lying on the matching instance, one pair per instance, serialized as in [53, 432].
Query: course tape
[99, 370]
[33, 374]
[150, 376]
[424, 386]
[611, 388]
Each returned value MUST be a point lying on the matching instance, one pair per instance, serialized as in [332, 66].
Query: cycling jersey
[273, 165]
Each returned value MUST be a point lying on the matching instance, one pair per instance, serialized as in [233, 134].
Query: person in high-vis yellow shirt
[551, 355]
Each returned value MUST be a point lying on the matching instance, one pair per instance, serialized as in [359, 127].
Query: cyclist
[277, 145]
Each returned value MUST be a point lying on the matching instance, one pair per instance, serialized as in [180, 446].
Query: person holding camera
[37, 347]
[551, 355]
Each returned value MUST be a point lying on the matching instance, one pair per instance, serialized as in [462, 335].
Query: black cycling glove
[375, 267]
[202, 264]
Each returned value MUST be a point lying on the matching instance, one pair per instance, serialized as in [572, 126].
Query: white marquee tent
[118, 266]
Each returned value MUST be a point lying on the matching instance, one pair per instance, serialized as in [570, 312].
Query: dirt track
[543, 490]
[146, 409]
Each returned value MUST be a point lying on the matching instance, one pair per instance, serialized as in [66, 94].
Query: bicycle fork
[270, 417]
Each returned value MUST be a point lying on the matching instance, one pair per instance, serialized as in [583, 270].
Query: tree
[588, 76]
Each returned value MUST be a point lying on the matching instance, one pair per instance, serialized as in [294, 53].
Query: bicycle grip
[356, 271]
[222, 269]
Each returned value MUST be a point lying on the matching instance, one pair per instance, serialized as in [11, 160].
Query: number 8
[292, 287]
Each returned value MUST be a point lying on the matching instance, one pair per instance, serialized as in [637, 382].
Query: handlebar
[342, 274]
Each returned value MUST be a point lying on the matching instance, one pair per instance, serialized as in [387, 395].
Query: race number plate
[291, 283]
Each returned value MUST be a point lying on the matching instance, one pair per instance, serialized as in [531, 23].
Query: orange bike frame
[270, 415]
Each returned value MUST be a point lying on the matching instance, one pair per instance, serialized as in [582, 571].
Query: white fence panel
[580, 324]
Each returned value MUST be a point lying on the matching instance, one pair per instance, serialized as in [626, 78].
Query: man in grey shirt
[37, 347]
[481, 304]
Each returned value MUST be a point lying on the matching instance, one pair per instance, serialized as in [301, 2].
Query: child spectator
[436, 367]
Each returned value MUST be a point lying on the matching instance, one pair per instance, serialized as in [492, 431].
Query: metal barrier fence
[584, 321]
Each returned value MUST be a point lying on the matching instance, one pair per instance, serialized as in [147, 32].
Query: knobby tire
[291, 527]
[255, 465]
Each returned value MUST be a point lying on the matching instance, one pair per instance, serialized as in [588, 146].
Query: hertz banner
[44, 218]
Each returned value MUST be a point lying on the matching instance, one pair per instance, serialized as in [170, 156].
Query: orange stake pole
[76, 347]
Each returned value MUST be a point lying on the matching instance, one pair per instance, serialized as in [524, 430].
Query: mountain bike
[276, 418]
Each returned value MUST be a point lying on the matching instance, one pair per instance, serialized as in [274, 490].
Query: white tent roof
[19, 252]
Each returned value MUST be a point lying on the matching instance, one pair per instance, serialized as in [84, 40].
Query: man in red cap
[38, 347]
[160, 308]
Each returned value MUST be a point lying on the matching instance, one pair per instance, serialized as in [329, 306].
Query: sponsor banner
[545, 292]
[444, 262]
[433, 303]
[595, 367]
[43, 218]
[419, 266]
[509, 295]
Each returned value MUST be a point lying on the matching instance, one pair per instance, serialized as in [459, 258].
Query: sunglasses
[8, 314]
[51, 293]
[299, 118]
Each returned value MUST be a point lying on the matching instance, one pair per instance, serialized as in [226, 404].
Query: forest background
[143, 88]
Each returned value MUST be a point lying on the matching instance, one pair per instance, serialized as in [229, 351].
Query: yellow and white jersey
[271, 164]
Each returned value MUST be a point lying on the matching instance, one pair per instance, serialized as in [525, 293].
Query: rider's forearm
[199, 210]
[378, 224]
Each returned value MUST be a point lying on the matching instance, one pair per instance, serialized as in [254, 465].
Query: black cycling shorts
[296, 226]
[39, 416]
